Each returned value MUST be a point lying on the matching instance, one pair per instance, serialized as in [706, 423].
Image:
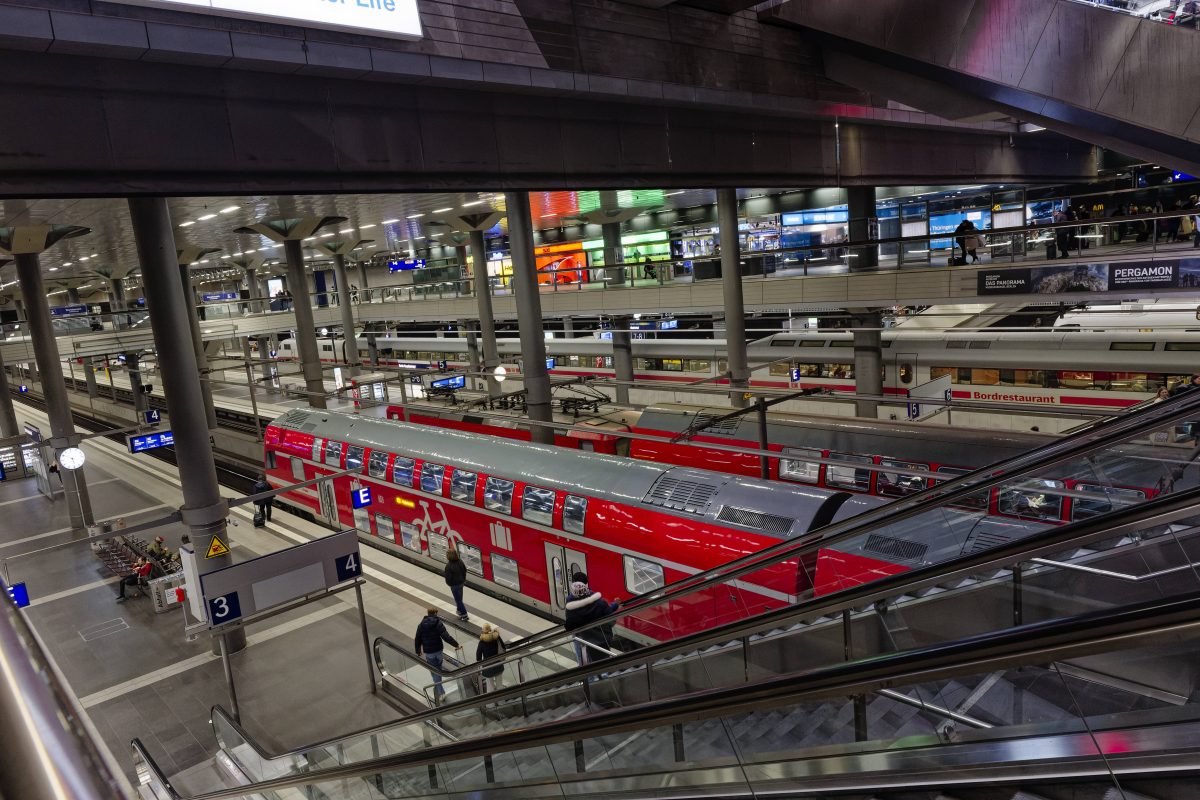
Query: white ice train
[1058, 367]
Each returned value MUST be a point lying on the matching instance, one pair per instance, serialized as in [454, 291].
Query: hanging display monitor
[396, 18]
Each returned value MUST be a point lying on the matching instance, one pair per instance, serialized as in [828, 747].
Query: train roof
[766, 507]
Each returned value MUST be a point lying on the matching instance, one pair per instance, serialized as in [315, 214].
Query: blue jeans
[457, 591]
[435, 660]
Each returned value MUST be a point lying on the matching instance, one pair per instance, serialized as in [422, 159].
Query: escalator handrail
[1025, 645]
[1159, 511]
[943, 494]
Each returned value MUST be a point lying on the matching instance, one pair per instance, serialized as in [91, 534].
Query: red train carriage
[524, 517]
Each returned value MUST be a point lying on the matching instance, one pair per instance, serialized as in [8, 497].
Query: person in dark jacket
[490, 645]
[1186, 386]
[965, 229]
[584, 607]
[264, 505]
[427, 642]
[456, 579]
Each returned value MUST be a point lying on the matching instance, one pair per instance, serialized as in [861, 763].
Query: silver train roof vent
[767, 523]
[704, 424]
[681, 494]
[895, 548]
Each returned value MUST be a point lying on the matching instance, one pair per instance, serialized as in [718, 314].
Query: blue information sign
[400, 265]
[23, 389]
[152, 417]
[150, 441]
[549, 363]
[66, 311]
[795, 374]
[225, 608]
[361, 497]
[19, 594]
[218, 297]
[457, 382]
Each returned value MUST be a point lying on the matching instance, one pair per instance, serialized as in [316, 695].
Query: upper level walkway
[1104, 260]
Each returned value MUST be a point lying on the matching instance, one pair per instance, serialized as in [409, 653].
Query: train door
[561, 564]
[328, 498]
[905, 371]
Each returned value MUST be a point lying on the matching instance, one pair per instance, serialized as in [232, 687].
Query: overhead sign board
[67, 311]
[395, 18]
[263, 583]
[401, 265]
[218, 297]
[1182, 273]
[19, 594]
[149, 441]
[457, 382]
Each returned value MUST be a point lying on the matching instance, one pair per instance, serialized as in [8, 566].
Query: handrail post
[1018, 602]
[859, 700]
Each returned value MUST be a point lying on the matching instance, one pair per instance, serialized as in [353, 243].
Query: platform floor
[302, 677]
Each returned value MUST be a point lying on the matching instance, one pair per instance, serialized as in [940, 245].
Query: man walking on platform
[431, 632]
[456, 579]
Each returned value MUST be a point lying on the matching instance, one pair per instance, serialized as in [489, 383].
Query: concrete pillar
[373, 350]
[252, 291]
[622, 342]
[487, 320]
[264, 353]
[73, 297]
[133, 367]
[351, 343]
[529, 315]
[362, 275]
[204, 510]
[861, 202]
[89, 377]
[473, 359]
[193, 317]
[614, 254]
[460, 252]
[8, 416]
[568, 327]
[731, 283]
[868, 362]
[116, 302]
[54, 387]
[306, 335]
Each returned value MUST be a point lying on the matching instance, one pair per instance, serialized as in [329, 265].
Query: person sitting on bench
[141, 571]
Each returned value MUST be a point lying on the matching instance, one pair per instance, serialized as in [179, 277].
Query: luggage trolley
[369, 389]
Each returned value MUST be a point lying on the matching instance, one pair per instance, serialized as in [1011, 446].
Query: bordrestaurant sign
[397, 18]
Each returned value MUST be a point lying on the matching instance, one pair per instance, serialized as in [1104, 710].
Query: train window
[505, 572]
[385, 527]
[537, 505]
[697, 365]
[1035, 499]
[298, 470]
[1104, 502]
[842, 343]
[985, 377]
[402, 471]
[438, 545]
[354, 456]
[793, 468]
[462, 485]
[643, 576]
[497, 495]
[431, 477]
[849, 477]
[781, 369]
[471, 556]
[1075, 380]
[672, 365]
[1182, 346]
[977, 500]
[377, 465]
[937, 372]
[333, 453]
[783, 343]
[906, 373]
[271, 462]
[1022, 377]
[316, 449]
[812, 342]
[1145, 346]
[410, 536]
[574, 512]
[1126, 381]
[893, 484]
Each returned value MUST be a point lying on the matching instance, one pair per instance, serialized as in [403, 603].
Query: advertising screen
[380, 17]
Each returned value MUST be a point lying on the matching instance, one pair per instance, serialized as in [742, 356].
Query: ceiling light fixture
[84, 258]
[186, 224]
[229, 209]
[389, 222]
[366, 227]
[326, 235]
[474, 203]
[414, 216]
[54, 269]
[348, 230]
[442, 210]
[67, 263]
[207, 217]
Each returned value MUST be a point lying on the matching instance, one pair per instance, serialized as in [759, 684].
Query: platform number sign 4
[348, 567]
[225, 608]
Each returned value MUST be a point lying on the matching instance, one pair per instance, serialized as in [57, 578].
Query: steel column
[731, 284]
[350, 343]
[529, 316]
[8, 415]
[622, 344]
[487, 321]
[133, 367]
[614, 255]
[204, 510]
[868, 363]
[306, 334]
[89, 378]
[193, 318]
[54, 387]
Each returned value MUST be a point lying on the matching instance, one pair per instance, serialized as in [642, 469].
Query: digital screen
[361, 497]
[457, 382]
[150, 441]
[400, 265]
[380, 17]
[668, 325]
[822, 217]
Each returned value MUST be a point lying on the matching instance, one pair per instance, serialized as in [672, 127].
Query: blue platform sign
[225, 608]
[19, 594]
[549, 363]
[66, 311]
[152, 417]
[403, 264]
[348, 567]
[219, 297]
[795, 375]
[150, 441]
[361, 497]
[23, 389]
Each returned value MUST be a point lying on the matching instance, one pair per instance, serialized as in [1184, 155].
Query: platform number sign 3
[225, 608]
[348, 567]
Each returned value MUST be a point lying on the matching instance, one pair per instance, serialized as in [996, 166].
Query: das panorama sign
[398, 18]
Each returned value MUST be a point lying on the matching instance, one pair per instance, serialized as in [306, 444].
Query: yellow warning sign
[217, 548]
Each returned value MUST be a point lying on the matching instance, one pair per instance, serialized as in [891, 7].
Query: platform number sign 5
[225, 608]
[348, 567]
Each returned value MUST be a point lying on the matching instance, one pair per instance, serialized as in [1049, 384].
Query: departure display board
[398, 18]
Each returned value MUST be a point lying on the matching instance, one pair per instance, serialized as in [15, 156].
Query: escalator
[1104, 696]
[1006, 571]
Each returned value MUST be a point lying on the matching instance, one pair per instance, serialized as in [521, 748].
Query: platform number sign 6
[225, 608]
[348, 567]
